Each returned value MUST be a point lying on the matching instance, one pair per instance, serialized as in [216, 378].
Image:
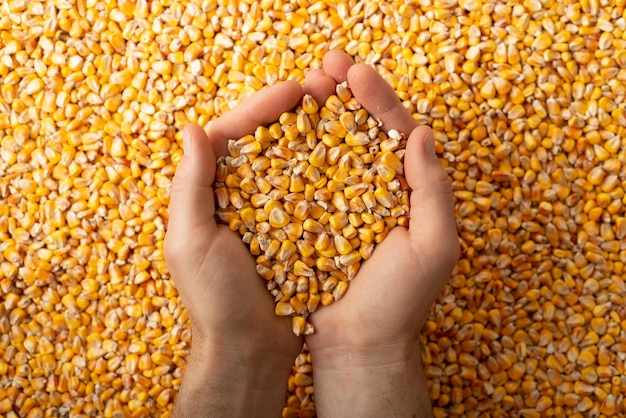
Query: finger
[321, 83]
[375, 95]
[263, 107]
[431, 213]
[191, 202]
[313, 74]
[336, 65]
[320, 87]
[432, 209]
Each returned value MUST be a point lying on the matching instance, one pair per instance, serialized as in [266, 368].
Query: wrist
[232, 382]
[339, 347]
[356, 357]
[253, 368]
[246, 349]
[383, 381]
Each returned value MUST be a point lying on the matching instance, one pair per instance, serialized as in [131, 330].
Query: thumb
[432, 209]
[192, 204]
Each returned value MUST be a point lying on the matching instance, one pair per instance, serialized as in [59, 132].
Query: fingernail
[429, 146]
[186, 142]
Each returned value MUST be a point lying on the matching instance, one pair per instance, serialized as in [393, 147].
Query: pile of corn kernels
[527, 100]
[311, 195]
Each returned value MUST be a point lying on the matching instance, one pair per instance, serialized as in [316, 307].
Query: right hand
[375, 326]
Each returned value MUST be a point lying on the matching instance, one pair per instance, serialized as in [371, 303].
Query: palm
[375, 300]
[229, 271]
[227, 301]
[390, 296]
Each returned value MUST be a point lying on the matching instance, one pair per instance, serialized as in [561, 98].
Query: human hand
[240, 348]
[374, 328]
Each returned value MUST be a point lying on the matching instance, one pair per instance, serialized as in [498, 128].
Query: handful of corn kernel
[311, 195]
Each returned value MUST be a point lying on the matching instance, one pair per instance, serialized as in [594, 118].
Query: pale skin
[365, 349]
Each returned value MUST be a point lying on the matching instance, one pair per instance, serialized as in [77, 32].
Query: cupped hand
[228, 304]
[388, 301]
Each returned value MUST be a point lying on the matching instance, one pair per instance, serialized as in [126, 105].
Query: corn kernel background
[527, 102]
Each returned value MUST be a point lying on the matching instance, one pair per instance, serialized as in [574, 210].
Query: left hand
[231, 311]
